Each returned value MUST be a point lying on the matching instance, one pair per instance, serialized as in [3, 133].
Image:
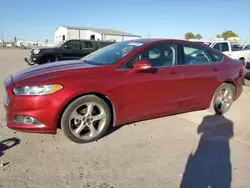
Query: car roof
[153, 40]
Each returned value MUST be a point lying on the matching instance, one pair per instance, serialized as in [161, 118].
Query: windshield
[112, 53]
[60, 43]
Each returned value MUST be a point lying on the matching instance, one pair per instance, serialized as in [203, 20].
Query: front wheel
[86, 119]
[223, 99]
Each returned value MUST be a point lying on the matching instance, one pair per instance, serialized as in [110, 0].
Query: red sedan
[121, 83]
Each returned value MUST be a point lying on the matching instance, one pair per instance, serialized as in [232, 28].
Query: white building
[25, 43]
[68, 32]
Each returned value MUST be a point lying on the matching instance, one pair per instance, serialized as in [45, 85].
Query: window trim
[122, 68]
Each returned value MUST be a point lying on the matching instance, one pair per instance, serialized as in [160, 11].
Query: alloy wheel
[224, 99]
[87, 120]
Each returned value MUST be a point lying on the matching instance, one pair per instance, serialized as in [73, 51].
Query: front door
[154, 92]
[223, 47]
[70, 50]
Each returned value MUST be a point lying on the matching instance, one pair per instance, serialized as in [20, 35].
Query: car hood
[50, 69]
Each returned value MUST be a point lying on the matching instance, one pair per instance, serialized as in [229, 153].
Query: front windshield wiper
[85, 61]
[88, 62]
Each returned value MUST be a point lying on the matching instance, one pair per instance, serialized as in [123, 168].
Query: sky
[38, 20]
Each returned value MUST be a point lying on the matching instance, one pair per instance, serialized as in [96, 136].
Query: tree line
[226, 34]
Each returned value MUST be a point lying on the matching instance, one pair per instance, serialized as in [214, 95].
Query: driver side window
[72, 45]
[161, 55]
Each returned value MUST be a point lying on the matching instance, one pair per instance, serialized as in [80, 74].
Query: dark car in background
[123, 82]
[66, 50]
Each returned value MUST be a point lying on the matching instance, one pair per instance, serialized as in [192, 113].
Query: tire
[77, 127]
[217, 103]
[51, 59]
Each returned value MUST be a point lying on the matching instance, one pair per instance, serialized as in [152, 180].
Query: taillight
[241, 69]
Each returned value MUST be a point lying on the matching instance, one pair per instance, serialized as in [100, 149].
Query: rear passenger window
[195, 55]
[215, 57]
[86, 44]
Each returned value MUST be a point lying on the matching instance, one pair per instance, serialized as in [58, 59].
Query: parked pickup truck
[225, 47]
[66, 50]
[236, 47]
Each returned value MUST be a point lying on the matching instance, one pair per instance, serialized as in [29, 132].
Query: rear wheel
[243, 61]
[223, 99]
[86, 119]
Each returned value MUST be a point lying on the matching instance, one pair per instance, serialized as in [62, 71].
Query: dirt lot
[153, 153]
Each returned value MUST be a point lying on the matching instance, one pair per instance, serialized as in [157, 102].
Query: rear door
[87, 47]
[223, 47]
[70, 50]
[199, 77]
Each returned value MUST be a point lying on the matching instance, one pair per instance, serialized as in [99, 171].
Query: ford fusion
[121, 83]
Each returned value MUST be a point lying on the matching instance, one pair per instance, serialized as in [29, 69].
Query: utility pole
[1, 24]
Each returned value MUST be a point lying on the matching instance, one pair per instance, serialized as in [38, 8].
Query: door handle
[215, 69]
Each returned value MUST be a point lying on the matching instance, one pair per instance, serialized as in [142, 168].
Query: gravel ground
[164, 152]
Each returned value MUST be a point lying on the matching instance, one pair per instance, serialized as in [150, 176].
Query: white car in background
[225, 47]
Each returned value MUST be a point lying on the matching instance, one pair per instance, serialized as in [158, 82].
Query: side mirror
[65, 46]
[141, 65]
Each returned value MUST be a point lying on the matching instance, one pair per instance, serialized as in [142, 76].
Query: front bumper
[33, 59]
[45, 109]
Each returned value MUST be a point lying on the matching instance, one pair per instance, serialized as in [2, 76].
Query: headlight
[36, 51]
[37, 90]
